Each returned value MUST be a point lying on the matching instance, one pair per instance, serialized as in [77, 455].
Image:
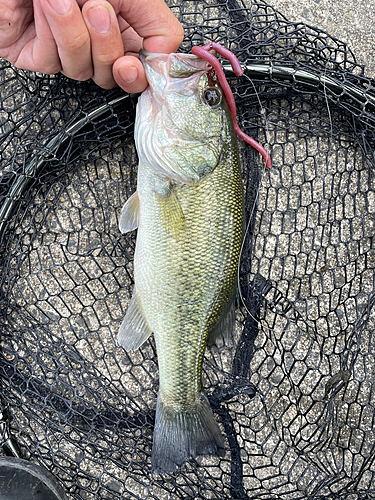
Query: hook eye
[212, 96]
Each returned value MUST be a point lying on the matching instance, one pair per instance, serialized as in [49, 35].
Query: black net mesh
[294, 396]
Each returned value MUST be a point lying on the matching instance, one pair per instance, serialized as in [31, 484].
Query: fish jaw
[173, 71]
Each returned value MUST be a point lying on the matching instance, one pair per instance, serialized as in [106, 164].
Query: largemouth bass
[189, 212]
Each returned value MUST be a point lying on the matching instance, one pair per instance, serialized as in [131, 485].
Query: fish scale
[186, 272]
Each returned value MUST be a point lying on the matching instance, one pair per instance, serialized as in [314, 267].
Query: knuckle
[76, 57]
[85, 75]
[103, 60]
[79, 74]
[106, 59]
[77, 43]
[81, 77]
[105, 85]
[51, 69]
[47, 65]
[178, 35]
[180, 31]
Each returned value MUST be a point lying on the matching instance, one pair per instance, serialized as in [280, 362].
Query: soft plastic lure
[204, 53]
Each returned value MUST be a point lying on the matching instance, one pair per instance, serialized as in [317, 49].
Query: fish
[189, 212]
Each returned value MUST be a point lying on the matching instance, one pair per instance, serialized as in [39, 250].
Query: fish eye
[212, 96]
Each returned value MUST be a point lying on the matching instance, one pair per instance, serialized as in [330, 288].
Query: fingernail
[99, 18]
[129, 74]
[60, 6]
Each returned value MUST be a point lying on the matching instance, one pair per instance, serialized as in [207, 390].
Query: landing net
[294, 396]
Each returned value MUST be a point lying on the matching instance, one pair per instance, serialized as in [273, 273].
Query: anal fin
[222, 332]
[134, 329]
[129, 219]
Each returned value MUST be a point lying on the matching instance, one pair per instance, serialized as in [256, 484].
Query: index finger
[155, 23]
[152, 20]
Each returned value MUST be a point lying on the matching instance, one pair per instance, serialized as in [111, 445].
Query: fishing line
[263, 112]
[328, 108]
[236, 67]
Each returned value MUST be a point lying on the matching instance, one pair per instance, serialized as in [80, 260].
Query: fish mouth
[144, 54]
[178, 65]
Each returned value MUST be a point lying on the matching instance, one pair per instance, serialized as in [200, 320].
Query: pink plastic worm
[204, 53]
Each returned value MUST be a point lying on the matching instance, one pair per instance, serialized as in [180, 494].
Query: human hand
[100, 42]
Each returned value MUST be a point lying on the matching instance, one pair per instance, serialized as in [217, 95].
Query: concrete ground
[352, 22]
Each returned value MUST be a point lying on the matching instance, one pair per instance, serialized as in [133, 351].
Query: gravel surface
[352, 22]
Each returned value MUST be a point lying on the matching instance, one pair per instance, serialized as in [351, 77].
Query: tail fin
[179, 435]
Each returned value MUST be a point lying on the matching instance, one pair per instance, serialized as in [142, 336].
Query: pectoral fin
[222, 332]
[130, 214]
[172, 214]
[134, 329]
